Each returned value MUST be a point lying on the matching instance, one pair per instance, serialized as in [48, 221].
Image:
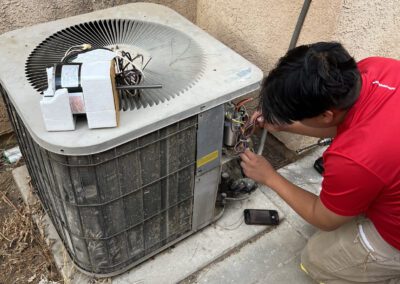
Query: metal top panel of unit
[223, 76]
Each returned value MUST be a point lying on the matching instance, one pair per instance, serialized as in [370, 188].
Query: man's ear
[327, 117]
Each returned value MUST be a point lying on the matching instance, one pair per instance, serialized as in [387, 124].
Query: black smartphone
[261, 217]
[319, 165]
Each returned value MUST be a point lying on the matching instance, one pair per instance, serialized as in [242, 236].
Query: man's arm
[306, 204]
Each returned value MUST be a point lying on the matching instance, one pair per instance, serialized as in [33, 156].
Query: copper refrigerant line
[238, 127]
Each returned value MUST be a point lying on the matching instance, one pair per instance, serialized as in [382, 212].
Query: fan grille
[177, 61]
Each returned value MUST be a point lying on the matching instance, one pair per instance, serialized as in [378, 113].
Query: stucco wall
[370, 28]
[260, 30]
[366, 28]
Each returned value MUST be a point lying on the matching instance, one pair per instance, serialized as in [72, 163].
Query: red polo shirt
[362, 166]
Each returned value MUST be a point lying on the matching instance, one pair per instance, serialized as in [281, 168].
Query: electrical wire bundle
[73, 51]
[128, 73]
[246, 127]
[128, 70]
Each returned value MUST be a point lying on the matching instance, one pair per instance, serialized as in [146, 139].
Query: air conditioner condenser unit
[118, 196]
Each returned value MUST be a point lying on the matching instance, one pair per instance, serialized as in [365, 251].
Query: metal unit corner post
[209, 148]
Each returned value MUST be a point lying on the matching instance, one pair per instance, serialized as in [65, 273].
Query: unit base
[188, 257]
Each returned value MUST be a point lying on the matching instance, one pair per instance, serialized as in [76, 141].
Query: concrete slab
[214, 242]
[203, 248]
[294, 141]
[274, 257]
[304, 175]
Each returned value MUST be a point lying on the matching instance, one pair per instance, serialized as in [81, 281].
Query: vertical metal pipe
[292, 44]
[299, 24]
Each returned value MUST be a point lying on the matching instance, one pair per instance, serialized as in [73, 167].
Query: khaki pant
[341, 256]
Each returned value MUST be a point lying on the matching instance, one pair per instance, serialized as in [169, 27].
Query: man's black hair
[309, 80]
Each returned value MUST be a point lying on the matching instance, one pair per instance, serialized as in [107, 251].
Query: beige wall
[366, 28]
[370, 28]
[260, 30]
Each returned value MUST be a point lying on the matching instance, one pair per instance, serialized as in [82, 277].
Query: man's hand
[258, 119]
[257, 167]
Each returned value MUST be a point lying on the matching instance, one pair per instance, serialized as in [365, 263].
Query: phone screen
[261, 217]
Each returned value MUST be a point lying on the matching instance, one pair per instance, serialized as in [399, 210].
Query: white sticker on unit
[244, 74]
[70, 76]
[241, 75]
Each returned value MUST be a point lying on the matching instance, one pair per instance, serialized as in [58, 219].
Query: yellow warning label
[207, 158]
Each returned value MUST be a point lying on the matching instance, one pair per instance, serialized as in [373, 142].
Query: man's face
[326, 119]
[315, 122]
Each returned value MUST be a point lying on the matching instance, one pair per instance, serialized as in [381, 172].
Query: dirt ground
[5, 126]
[24, 256]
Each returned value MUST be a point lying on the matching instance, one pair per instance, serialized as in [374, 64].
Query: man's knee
[305, 260]
[313, 258]
[305, 263]
[308, 262]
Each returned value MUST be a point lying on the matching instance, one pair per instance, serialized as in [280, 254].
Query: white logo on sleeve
[383, 86]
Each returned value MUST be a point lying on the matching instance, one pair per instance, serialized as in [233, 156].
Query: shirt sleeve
[348, 188]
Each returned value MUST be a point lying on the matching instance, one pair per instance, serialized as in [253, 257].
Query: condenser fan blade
[177, 61]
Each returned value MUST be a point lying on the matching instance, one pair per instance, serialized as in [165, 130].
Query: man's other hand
[257, 167]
